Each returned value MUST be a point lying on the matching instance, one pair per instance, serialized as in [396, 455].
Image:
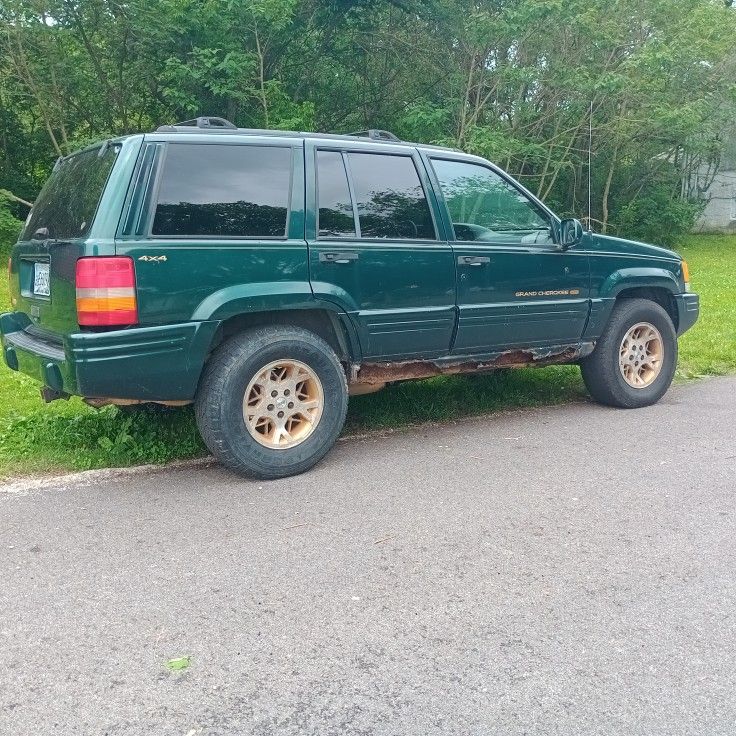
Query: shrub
[9, 227]
[657, 217]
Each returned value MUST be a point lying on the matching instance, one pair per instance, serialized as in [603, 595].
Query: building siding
[719, 214]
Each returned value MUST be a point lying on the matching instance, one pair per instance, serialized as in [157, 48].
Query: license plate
[41, 284]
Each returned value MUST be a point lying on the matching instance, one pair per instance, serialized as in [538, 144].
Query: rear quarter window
[212, 190]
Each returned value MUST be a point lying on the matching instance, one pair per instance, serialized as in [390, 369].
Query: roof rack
[221, 126]
[207, 123]
[375, 134]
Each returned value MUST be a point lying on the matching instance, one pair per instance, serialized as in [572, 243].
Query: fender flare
[638, 277]
[264, 296]
[625, 278]
[277, 296]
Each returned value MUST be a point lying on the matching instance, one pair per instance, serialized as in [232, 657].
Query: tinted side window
[335, 208]
[484, 207]
[224, 190]
[390, 198]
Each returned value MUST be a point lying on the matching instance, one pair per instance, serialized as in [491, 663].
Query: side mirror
[569, 233]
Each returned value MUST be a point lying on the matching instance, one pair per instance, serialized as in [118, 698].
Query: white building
[720, 211]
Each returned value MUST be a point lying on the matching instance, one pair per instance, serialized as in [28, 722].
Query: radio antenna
[590, 157]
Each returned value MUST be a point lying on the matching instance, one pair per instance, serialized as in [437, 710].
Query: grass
[709, 348]
[37, 438]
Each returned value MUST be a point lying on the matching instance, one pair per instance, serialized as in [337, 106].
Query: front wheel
[272, 402]
[634, 362]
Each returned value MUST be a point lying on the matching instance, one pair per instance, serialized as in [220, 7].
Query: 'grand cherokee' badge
[550, 292]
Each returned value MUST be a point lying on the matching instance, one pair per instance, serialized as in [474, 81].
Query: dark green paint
[400, 294]
[397, 301]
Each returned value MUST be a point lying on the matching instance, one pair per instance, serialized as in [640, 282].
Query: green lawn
[35, 437]
[710, 347]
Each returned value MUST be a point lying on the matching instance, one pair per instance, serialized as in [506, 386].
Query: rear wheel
[272, 401]
[634, 361]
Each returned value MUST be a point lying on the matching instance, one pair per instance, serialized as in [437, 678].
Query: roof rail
[375, 134]
[208, 123]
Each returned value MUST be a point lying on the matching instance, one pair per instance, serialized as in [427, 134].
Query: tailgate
[43, 262]
[42, 283]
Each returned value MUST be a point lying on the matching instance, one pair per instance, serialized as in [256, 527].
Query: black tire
[219, 402]
[601, 372]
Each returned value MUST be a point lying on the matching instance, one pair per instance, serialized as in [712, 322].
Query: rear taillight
[106, 291]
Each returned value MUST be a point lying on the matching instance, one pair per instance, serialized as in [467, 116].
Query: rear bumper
[151, 363]
[688, 309]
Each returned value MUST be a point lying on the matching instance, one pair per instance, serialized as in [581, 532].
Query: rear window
[67, 203]
[213, 190]
[390, 198]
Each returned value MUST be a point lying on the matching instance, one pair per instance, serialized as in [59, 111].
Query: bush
[9, 228]
[657, 217]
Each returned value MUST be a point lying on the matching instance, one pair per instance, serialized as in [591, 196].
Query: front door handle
[338, 257]
[473, 260]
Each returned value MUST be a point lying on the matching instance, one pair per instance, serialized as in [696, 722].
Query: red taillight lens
[106, 291]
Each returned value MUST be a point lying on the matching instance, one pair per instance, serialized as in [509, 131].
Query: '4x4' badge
[152, 259]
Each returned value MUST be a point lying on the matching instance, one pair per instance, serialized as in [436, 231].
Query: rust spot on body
[99, 402]
[373, 373]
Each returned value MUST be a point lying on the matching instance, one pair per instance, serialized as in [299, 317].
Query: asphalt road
[569, 570]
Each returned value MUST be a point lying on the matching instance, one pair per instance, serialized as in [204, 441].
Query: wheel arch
[645, 277]
[657, 294]
[333, 327]
[659, 285]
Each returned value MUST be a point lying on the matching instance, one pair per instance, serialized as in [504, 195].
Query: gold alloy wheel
[640, 355]
[283, 404]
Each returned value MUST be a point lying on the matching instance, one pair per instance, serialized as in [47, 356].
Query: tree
[512, 80]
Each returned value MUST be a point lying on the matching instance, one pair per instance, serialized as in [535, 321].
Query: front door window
[485, 208]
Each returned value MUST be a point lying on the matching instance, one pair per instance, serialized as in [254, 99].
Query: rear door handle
[338, 257]
[473, 260]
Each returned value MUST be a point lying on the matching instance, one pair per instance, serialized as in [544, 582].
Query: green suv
[265, 276]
